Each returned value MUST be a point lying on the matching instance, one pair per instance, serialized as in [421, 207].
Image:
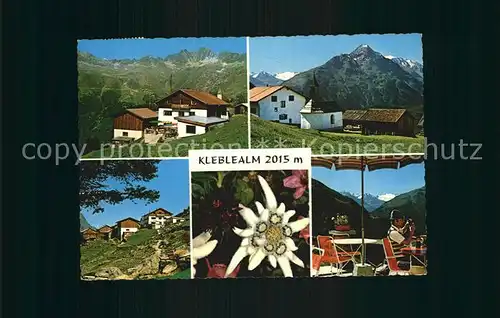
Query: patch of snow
[364, 45]
[386, 197]
[390, 57]
[285, 75]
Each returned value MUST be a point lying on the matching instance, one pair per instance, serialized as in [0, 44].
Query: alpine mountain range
[360, 79]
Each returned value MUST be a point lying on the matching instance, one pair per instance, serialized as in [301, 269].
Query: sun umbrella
[362, 163]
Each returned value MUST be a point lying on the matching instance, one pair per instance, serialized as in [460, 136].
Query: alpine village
[156, 246]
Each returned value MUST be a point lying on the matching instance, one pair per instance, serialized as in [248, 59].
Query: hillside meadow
[266, 134]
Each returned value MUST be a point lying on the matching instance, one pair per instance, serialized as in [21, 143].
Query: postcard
[338, 94]
[148, 98]
[250, 213]
[134, 219]
[369, 214]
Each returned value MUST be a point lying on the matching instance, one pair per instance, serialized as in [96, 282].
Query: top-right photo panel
[342, 94]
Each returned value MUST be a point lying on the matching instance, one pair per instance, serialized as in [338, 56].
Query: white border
[191, 237]
[248, 95]
[309, 172]
[401, 154]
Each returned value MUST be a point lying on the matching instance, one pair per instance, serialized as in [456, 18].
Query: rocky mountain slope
[411, 203]
[84, 224]
[363, 78]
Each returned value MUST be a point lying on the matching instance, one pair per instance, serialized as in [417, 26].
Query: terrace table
[354, 242]
[342, 233]
[414, 252]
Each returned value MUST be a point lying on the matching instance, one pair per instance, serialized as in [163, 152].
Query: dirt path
[152, 139]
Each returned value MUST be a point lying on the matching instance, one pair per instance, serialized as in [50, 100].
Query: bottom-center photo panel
[251, 223]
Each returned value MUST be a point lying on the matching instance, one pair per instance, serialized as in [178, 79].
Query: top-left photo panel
[159, 98]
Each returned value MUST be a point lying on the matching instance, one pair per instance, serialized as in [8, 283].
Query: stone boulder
[169, 268]
[108, 273]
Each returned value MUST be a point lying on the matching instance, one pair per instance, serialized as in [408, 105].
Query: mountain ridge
[412, 204]
[363, 78]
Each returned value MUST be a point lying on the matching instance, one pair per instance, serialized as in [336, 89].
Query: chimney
[219, 94]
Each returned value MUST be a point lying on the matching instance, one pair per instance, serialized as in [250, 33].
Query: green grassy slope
[266, 134]
[233, 134]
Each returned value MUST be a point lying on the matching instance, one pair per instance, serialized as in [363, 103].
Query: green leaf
[244, 192]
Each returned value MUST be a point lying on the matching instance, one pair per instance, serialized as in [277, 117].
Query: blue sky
[378, 182]
[137, 48]
[300, 53]
[173, 184]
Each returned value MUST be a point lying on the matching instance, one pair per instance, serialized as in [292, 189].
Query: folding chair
[392, 259]
[331, 256]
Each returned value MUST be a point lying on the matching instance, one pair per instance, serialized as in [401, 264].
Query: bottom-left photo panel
[134, 219]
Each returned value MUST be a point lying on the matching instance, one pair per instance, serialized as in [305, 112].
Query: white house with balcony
[189, 105]
[277, 103]
[156, 219]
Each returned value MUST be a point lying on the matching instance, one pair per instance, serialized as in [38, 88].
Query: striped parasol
[362, 163]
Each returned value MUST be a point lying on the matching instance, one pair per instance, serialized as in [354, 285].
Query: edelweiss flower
[268, 235]
[202, 247]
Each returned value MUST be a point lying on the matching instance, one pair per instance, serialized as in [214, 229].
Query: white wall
[158, 221]
[321, 121]
[292, 109]
[177, 220]
[136, 134]
[181, 130]
[127, 230]
[175, 113]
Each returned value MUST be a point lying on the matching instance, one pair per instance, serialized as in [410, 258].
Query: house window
[291, 98]
[274, 98]
[190, 129]
[167, 113]
[283, 104]
[332, 119]
[125, 134]
[283, 117]
[223, 113]
[276, 109]
[191, 113]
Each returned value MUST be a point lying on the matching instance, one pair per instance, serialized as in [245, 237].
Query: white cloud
[386, 197]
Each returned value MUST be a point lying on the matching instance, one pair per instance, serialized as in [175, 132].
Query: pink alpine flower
[298, 181]
[304, 233]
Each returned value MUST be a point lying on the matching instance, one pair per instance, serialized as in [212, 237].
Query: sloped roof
[144, 113]
[156, 210]
[354, 114]
[200, 120]
[259, 93]
[105, 228]
[374, 114]
[204, 97]
[129, 218]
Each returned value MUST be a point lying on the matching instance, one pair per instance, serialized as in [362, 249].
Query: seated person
[400, 234]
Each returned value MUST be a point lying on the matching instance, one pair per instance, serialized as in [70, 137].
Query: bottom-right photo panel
[368, 216]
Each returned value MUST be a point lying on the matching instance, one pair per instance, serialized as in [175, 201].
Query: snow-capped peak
[285, 75]
[386, 197]
[261, 73]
